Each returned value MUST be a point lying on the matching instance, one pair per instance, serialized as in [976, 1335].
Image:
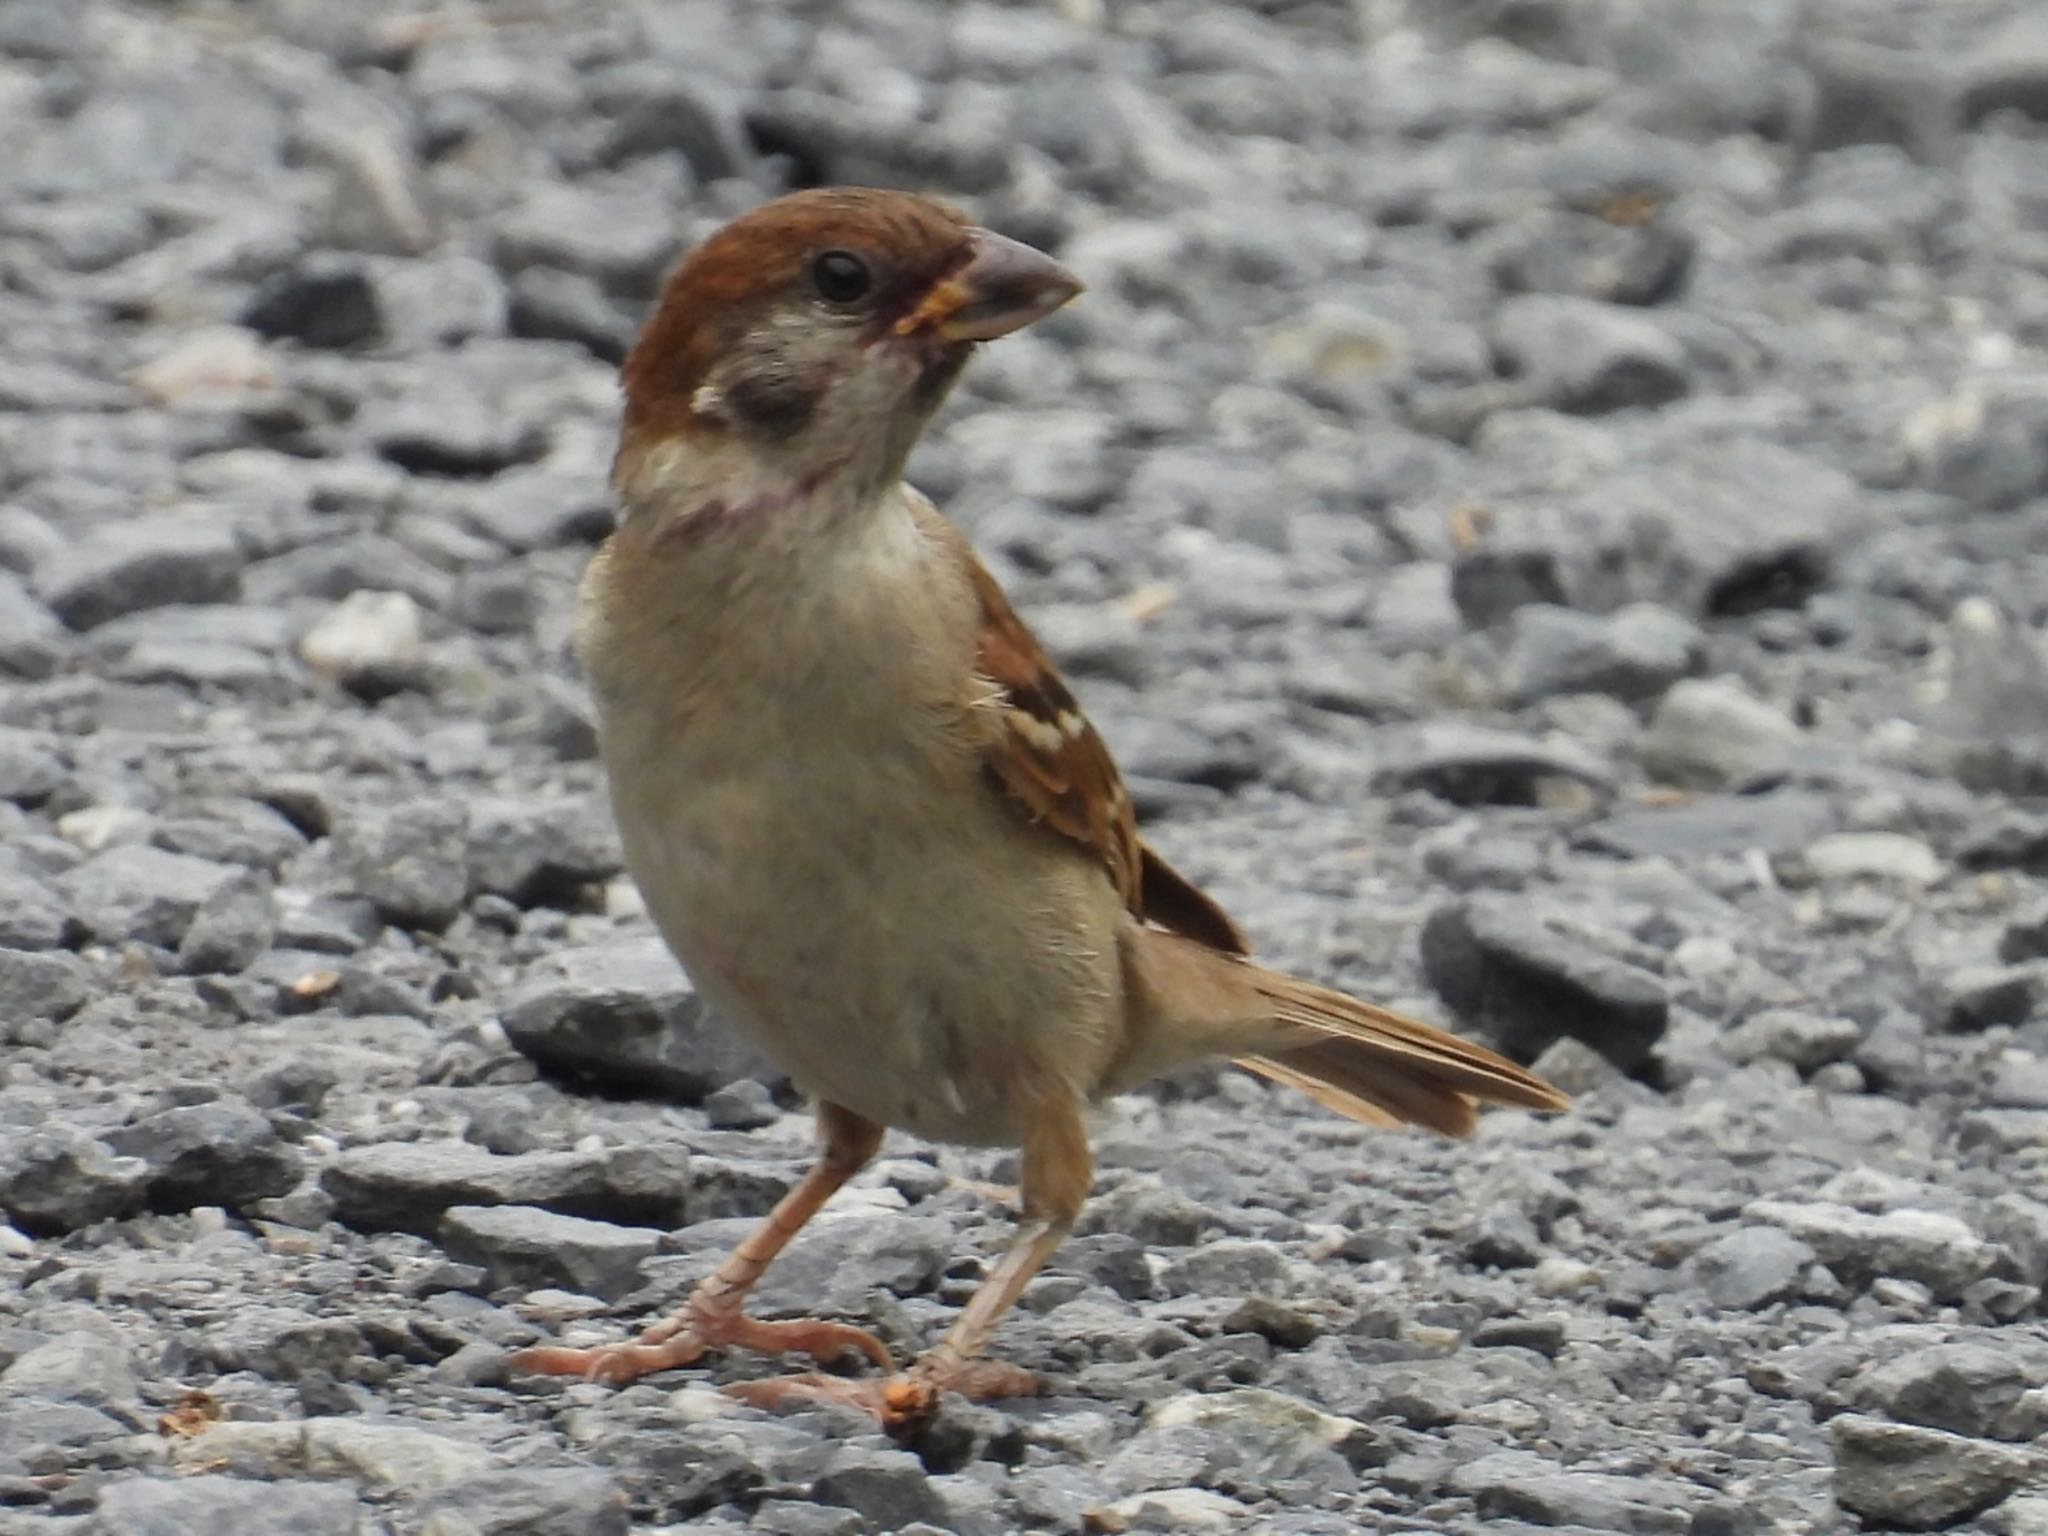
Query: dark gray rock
[539, 508]
[1516, 1485]
[32, 643]
[553, 305]
[410, 860]
[1589, 357]
[540, 1501]
[36, 985]
[1909, 1478]
[54, 1179]
[31, 766]
[541, 853]
[522, 1248]
[145, 894]
[286, 1345]
[2019, 1223]
[1967, 1388]
[1751, 1267]
[225, 1506]
[221, 1153]
[323, 301]
[408, 1186]
[1633, 654]
[230, 929]
[622, 1015]
[1474, 765]
[145, 564]
[837, 1264]
[890, 1489]
[1529, 977]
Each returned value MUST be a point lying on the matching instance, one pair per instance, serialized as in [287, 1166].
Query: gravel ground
[1549, 501]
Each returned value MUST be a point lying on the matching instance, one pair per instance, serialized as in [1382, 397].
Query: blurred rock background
[1547, 498]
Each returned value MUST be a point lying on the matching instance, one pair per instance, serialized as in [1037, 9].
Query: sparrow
[865, 812]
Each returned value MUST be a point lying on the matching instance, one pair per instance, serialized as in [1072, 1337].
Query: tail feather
[1357, 1058]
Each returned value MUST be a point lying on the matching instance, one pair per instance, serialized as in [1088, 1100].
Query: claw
[674, 1343]
[899, 1403]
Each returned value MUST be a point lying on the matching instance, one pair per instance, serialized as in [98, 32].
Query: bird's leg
[712, 1316]
[1057, 1173]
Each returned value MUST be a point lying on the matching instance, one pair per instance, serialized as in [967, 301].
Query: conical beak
[1004, 287]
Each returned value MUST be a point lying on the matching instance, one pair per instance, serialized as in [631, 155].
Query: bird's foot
[694, 1331]
[900, 1402]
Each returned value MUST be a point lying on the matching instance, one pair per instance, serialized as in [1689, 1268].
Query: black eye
[841, 276]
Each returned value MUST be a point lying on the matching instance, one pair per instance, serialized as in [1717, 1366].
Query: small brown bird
[864, 810]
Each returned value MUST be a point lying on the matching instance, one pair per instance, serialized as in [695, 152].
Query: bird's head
[818, 333]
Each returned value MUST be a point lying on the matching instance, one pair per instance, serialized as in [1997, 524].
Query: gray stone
[1227, 1267]
[232, 830]
[622, 1015]
[32, 643]
[538, 508]
[410, 860]
[890, 1489]
[224, 1506]
[1780, 822]
[1529, 977]
[1475, 765]
[746, 1105]
[54, 1179]
[1589, 357]
[1517, 1485]
[81, 1366]
[144, 564]
[1893, 856]
[230, 929]
[541, 853]
[31, 766]
[539, 1501]
[219, 1153]
[407, 1186]
[1276, 1436]
[1916, 1479]
[839, 1262]
[147, 894]
[1710, 733]
[35, 985]
[1632, 654]
[368, 643]
[1804, 1040]
[286, 1345]
[2019, 1223]
[1751, 1268]
[1925, 1246]
[553, 305]
[385, 1458]
[325, 300]
[522, 1248]
[1984, 446]
[1967, 1388]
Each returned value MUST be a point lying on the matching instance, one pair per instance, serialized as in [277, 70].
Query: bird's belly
[874, 958]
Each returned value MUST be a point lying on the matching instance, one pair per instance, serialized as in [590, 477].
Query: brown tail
[1377, 1066]
[1357, 1058]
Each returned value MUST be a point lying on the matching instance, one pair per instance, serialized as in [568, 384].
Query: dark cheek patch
[776, 399]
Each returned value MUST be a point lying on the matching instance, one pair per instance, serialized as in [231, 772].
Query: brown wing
[1050, 759]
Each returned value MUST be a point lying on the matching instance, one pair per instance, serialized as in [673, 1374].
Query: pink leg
[712, 1316]
[1057, 1173]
